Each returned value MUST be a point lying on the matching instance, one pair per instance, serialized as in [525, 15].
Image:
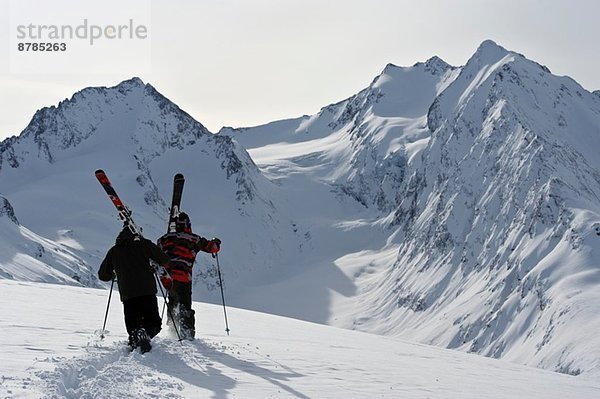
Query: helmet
[183, 223]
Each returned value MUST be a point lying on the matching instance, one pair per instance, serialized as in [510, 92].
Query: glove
[167, 282]
[214, 246]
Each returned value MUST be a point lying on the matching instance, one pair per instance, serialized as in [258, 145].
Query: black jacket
[129, 259]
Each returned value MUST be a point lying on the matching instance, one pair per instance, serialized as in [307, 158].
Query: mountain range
[452, 206]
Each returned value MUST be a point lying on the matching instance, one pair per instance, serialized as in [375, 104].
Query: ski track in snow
[113, 372]
[171, 370]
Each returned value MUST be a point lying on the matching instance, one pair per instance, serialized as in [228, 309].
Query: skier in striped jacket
[182, 247]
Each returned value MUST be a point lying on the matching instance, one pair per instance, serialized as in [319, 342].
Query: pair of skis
[125, 213]
[178, 182]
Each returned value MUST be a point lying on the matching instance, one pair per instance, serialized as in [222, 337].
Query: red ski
[124, 212]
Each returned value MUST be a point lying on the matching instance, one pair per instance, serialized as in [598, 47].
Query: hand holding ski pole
[214, 246]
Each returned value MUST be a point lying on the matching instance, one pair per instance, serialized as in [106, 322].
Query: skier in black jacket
[129, 261]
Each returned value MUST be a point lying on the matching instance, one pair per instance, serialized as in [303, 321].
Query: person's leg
[131, 315]
[151, 321]
[133, 320]
[143, 321]
[173, 305]
[184, 291]
[187, 314]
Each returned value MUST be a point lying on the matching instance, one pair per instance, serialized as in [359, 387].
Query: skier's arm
[106, 272]
[211, 246]
[157, 255]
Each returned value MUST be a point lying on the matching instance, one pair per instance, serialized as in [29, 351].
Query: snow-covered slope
[27, 256]
[486, 181]
[52, 349]
[359, 145]
[498, 239]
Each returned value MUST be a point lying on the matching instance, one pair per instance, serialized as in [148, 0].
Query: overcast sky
[246, 62]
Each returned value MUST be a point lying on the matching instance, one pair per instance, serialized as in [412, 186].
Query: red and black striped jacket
[181, 248]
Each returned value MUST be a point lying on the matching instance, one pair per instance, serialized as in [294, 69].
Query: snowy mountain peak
[132, 88]
[131, 114]
[141, 139]
[488, 49]
[434, 65]
[437, 66]
[499, 196]
[494, 55]
[134, 82]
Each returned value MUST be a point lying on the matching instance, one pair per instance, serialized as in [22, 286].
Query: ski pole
[222, 295]
[169, 312]
[163, 311]
[107, 306]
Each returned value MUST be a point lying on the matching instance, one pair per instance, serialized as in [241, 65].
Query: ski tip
[179, 176]
[99, 171]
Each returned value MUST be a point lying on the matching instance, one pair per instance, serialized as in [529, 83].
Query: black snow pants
[142, 312]
[180, 306]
